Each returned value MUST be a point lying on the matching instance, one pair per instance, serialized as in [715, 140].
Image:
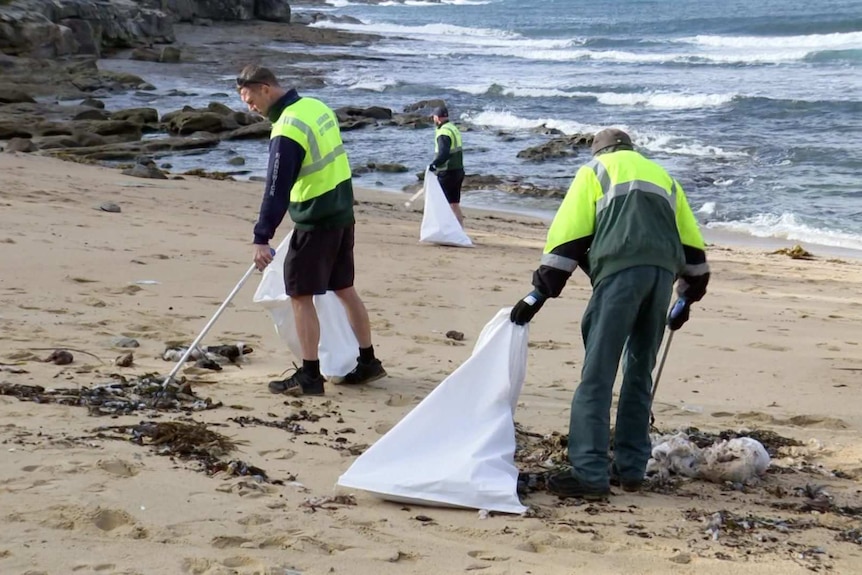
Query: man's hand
[528, 307]
[262, 256]
[432, 167]
[678, 314]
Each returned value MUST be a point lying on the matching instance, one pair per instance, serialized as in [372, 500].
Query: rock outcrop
[49, 29]
[56, 28]
[192, 10]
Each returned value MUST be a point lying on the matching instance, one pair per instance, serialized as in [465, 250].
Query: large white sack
[338, 345]
[439, 224]
[457, 447]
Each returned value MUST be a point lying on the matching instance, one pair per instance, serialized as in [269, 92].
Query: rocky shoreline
[55, 107]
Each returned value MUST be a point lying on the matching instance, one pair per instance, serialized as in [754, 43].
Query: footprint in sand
[383, 427]
[118, 467]
[110, 519]
[486, 556]
[768, 346]
[398, 400]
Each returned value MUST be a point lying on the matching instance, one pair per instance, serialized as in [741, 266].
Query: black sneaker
[564, 484]
[364, 373]
[300, 383]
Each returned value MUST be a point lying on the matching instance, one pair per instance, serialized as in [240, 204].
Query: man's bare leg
[307, 325]
[357, 315]
[456, 209]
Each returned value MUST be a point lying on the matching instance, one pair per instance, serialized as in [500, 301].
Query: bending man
[629, 225]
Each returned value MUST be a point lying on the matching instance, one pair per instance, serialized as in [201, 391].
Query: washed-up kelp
[120, 396]
[188, 441]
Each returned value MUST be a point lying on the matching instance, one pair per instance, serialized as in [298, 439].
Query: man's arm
[570, 235]
[285, 160]
[695, 274]
[444, 147]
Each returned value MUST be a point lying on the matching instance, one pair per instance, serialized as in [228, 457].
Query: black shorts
[451, 181]
[319, 260]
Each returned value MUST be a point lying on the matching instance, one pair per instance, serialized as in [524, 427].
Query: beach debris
[125, 342]
[12, 369]
[110, 207]
[797, 252]
[60, 354]
[327, 502]
[120, 396]
[217, 354]
[739, 460]
[60, 357]
[125, 360]
[455, 335]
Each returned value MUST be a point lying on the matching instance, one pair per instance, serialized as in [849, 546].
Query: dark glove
[692, 288]
[678, 314]
[432, 167]
[525, 309]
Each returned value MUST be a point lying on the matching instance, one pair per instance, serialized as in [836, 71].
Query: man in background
[449, 161]
[309, 177]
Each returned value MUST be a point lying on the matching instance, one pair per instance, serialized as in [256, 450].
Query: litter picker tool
[677, 309]
[414, 197]
[210, 323]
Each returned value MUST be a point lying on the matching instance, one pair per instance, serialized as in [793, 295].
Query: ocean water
[756, 107]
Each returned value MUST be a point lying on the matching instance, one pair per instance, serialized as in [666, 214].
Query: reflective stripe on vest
[448, 129]
[611, 191]
[311, 124]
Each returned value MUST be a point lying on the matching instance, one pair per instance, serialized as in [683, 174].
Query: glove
[678, 314]
[525, 309]
[432, 167]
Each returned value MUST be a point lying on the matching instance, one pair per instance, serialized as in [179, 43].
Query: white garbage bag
[457, 447]
[338, 345]
[739, 460]
[439, 224]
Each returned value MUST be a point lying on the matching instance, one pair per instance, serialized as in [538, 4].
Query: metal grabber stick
[674, 312]
[210, 323]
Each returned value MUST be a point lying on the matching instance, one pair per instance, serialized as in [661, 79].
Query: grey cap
[610, 137]
[441, 111]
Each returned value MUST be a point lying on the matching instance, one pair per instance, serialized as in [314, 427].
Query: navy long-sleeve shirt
[444, 150]
[285, 160]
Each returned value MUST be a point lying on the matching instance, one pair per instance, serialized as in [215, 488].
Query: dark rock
[425, 106]
[272, 10]
[20, 145]
[144, 55]
[54, 142]
[561, 147]
[387, 168]
[236, 161]
[188, 122]
[110, 207]
[170, 55]
[220, 109]
[258, 130]
[138, 116]
[308, 17]
[348, 113]
[14, 96]
[145, 170]
[91, 114]
[9, 130]
[411, 120]
[93, 103]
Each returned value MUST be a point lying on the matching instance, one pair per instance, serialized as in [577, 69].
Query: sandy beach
[774, 346]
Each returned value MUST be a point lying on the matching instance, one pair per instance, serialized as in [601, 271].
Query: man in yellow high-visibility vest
[448, 162]
[628, 224]
[308, 177]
